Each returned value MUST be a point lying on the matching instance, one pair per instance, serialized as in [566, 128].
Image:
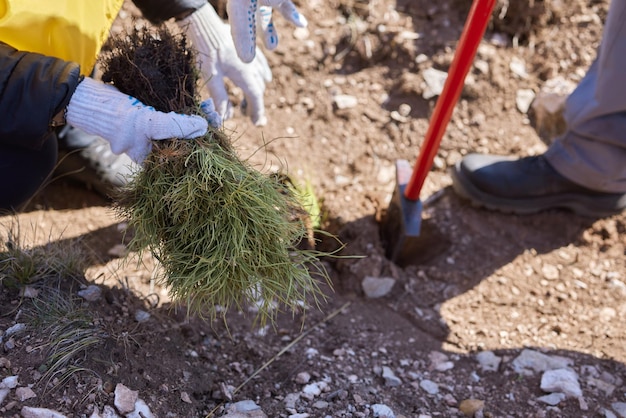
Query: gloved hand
[129, 125]
[251, 17]
[217, 57]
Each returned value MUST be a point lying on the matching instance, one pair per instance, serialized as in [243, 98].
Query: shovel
[407, 239]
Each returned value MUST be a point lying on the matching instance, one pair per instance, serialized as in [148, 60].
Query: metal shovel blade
[408, 238]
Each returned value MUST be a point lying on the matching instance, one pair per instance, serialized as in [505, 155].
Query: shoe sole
[577, 203]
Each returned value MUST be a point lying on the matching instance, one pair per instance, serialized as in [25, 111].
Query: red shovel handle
[473, 32]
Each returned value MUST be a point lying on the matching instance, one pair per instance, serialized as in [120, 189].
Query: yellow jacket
[73, 30]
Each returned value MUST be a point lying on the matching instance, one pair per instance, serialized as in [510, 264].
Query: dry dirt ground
[552, 283]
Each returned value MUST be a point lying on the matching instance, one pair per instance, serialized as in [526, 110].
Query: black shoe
[527, 185]
[88, 159]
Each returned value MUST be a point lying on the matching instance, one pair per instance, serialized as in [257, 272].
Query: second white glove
[129, 125]
[217, 57]
[249, 18]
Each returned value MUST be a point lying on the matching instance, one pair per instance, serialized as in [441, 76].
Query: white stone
[345, 101]
[530, 361]
[552, 399]
[125, 399]
[518, 67]
[141, 315]
[376, 287]
[523, 99]
[15, 329]
[141, 410]
[30, 412]
[488, 361]
[303, 378]
[24, 393]
[390, 378]
[435, 80]
[9, 382]
[620, 408]
[382, 411]
[561, 380]
[429, 386]
[91, 293]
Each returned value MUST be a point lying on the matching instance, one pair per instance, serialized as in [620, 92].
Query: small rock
[382, 411]
[391, 379]
[141, 315]
[9, 345]
[444, 366]
[30, 412]
[15, 329]
[552, 399]
[450, 400]
[437, 360]
[6, 385]
[530, 361]
[561, 380]
[435, 80]
[125, 399]
[469, 407]
[141, 410]
[488, 361]
[607, 388]
[523, 99]
[429, 386]
[107, 412]
[550, 272]
[245, 406]
[376, 287]
[320, 405]
[91, 293]
[404, 109]
[245, 409]
[395, 115]
[290, 400]
[620, 408]
[303, 378]
[344, 101]
[24, 393]
[9, 382]
[184, 396]
[518, 67]
[312, 390]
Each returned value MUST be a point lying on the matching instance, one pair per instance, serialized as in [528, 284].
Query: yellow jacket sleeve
[73, 30]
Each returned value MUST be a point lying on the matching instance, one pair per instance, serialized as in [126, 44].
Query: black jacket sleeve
[157, 11]
[33, 89]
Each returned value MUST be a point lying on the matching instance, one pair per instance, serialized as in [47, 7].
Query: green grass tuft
[22, 265]
[226, 234]
[70, 335]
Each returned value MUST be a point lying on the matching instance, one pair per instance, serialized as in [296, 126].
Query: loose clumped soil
[552, 283]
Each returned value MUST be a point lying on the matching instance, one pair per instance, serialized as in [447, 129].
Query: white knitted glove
[217, 57]
[251, 17]
[129, 125]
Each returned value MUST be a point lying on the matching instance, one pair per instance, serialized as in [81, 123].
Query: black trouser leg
[23, 171]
